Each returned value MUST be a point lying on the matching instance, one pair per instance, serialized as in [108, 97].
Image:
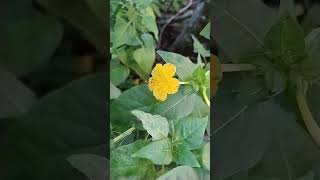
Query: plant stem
[307, 117]
[205, 97]
[184, 82]
[123, 135]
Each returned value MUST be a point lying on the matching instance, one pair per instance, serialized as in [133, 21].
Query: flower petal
[160, 94]
[157, 70]
[173, 86]
[169, 70]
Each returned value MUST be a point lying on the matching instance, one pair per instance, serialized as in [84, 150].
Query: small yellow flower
[162, 82]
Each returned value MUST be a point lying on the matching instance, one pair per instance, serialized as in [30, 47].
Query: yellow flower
[162, 82]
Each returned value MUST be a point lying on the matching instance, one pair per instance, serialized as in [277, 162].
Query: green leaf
[70, 119]
[36, 40]
[177, 106]
[146, 55]
[159, 152]
[15, 97]
[289, 158]
[285, 40]
[123, 166]
[114, 91]
[180, 172]
[236, 29]
[136, 97]
[119, 73]
[200, 108]
[199, 48]
[234, 127]
[184, 65]
[190, 132]
[123, 33]
[183, 156]
[126, 57]
[157, 126]
[83, 16]
[93, 166]
[206, 156]
[205, 32]
[199, 79]
[149, 21]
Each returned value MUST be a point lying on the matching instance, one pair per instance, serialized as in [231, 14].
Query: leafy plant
[258, 132]
[157, 129]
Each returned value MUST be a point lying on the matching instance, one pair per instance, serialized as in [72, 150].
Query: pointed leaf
[180, 172]
[183, 156]
[157, 126]
[190, 131]
[184, 65]
[114, 91]
[236, 29]
[123, 166]
[159, 152]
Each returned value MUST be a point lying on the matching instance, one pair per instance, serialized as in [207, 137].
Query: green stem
[307, 117]
[237, 67]
[205, 97]
[184, 82]
[123, 135]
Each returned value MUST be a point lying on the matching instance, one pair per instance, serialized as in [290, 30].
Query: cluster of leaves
[177, 147]
[177, 127]
[258, 129]
[42, 133]
[133, 34]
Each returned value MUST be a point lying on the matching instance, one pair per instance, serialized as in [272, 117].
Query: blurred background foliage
[53, 64]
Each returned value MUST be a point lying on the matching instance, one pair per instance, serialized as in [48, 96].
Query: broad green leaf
[114, 91]
[285, 40]
[119, 73]
[126, 57]
[134, 98]
[123, 33]
[180, 172]
[149, 21]
[206, 31]
[159, 152]
[157, 126]
[237, 116]
[177, 106]
[93, 166]
[146, 55]
[190, 132]
[15, 97]
[236, 29]
[289, 158]
[184, 65]
[200, 108]
[206, 156]
[199, 48]
[183, 156]
[36, 40]
[70, 119]
[137, 97]
[82, 16]
[123, 166]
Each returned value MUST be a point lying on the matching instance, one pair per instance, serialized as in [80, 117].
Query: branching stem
[123, 135]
